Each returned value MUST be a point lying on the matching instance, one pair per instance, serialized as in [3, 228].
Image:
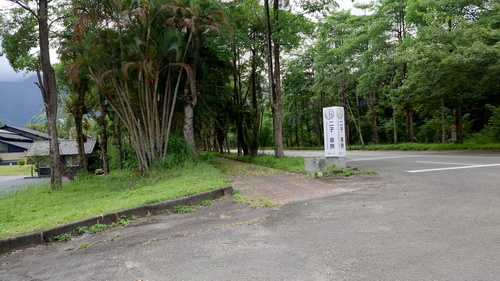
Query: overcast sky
[8, 74]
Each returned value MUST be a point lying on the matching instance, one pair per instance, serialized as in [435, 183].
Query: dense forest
[250, 73]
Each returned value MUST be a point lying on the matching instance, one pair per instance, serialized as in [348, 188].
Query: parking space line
[379, 158]
[446, 163]
[453, 168]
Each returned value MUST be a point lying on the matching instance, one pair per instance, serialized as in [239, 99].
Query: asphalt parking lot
[424, 216]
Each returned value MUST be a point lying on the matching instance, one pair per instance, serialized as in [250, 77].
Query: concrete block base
[314, 164]
[321, 163]
[338, 162]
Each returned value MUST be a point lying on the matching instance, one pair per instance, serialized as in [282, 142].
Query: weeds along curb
[42, 237]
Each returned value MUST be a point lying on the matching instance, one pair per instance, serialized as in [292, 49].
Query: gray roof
[66, 147]
[27, 131]
[6, 135]
[21, 144]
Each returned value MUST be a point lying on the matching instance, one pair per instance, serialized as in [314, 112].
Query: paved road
[428, 216]
[408, 161]
[16, 182]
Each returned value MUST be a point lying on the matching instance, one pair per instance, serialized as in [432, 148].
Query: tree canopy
[247, 74]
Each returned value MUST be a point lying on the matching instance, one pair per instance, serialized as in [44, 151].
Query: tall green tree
[247, 39]
[274, 74]
[455, 48]
[278, 38]
[386, 32]
[341, 41]
[23, 32]
[299, 103]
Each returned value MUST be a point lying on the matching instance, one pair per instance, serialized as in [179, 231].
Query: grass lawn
[15, 170]
[285, 164]
[37, 207]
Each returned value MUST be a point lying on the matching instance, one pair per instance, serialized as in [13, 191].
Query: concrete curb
[42, 237]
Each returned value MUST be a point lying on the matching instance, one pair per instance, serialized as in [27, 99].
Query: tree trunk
[409, 126]
[255, 114]
[101, 120]
[189, 127]
[358, 124]
[80, 87]
[459, 122]
[220, 131]
[220, 140]
[318, 128]
[118, 136]
[373, 117]
[80, 139]
[240, 133]
[227, 145]
[297, 141]
[189, 134]
[237, 105]
[344, 102]
[394, 126]
[278, 105]
[49, 93]
[309, 135]
[443, 123]
[274, 79]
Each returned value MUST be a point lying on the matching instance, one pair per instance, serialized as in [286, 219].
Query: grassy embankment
[37, 207]
[284, 164]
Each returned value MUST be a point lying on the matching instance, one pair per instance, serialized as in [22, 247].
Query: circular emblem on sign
[340, 113]
[329, 114]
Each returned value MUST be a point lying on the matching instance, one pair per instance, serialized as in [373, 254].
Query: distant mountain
[20, 101]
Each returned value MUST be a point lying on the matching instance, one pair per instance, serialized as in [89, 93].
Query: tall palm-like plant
[81, 100]
[77, 104]
[194, 18]
[133, 58]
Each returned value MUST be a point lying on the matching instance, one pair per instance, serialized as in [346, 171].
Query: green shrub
[98, 228]
[206, 202]
[61, 238]
[486, 136]
[129, 159]
[31, 160]
[207, 158]
[491, 132]
[122, 221]
[184, 209]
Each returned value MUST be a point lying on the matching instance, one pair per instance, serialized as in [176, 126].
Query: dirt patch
[283, 187]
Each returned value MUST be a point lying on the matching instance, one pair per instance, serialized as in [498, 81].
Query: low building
[15, 141]
[68, 150]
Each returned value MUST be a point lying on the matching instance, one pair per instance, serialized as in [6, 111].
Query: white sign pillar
[334, 131]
